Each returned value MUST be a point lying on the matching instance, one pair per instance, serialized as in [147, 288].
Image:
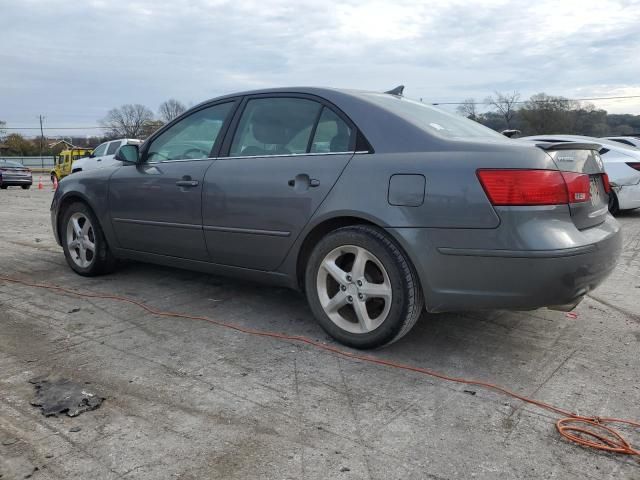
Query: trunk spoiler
[550, 146]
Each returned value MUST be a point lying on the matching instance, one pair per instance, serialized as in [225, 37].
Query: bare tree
[505, 103]
[170, 109]
[127, 121]
[468, 108]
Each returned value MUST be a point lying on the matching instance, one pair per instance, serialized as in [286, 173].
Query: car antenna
[396, 91]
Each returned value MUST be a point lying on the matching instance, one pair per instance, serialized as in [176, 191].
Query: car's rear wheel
[614, 207]
[85, 247]
[4, 187]
[26, 187]
[362, 288]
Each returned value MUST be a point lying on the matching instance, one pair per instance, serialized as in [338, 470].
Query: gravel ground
[186, 399]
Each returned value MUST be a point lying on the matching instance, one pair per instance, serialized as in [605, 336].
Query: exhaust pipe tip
[567, 307]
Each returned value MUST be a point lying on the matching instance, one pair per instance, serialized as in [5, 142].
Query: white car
[103, 156]
[621, 163]
[631, 141]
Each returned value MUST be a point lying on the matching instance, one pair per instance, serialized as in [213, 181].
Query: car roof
[384, 129]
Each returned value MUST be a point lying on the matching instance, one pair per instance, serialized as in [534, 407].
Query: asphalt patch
[57, 396]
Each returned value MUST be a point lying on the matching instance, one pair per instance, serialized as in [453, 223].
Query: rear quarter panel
[454, 198]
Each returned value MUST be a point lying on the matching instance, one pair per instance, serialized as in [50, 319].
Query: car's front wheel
[362, 288]
[85, 247]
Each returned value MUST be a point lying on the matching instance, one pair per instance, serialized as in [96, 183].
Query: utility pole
[41, 141]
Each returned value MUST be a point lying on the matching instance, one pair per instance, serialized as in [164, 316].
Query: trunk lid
[583, 158]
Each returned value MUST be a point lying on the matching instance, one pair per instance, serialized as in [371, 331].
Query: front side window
[113, 146]
[98, 152]
[275, 126]
[192, 137]
[332, 134]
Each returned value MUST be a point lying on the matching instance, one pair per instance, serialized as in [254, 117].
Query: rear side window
[275, 126]
[432, 120]
[113, 146]
[98, 152]
[192, 137]
[332, 134]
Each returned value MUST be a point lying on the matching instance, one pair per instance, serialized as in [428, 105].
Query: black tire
[25, 187]
[103, 261]
[614, 207]
[4, 187]
[407, 299]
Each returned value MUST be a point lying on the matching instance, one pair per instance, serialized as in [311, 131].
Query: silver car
[376, 206]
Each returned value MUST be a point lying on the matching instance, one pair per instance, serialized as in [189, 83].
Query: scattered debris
[9, 441]
[345, 469]
[470, 392]
[571, 315]
[74, 310]
[75, 429]
[56, 396]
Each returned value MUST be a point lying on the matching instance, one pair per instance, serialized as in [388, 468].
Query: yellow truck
[63, 161]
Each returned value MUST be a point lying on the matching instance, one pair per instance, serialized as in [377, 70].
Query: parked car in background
[374, 205]
[103, 156]
[631, 141]
[621, 162]
[14, 174]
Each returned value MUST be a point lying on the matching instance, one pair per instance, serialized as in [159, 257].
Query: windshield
[431, 119]
[10, 164]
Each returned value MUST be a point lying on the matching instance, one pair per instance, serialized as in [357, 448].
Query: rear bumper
[456, 279]
[15, 181]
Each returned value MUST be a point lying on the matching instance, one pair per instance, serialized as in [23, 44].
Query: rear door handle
[303, 180]
[187, 183]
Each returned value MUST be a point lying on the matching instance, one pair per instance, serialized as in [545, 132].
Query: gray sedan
[14, 174]
[376, 206]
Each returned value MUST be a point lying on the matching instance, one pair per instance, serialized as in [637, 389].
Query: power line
[53, 128]
[552, 100]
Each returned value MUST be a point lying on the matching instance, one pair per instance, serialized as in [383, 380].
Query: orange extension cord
[586, 431]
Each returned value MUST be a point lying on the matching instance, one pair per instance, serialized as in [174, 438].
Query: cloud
[73, 61]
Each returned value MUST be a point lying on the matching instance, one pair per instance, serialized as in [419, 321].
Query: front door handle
[314, 182]
[187, 183]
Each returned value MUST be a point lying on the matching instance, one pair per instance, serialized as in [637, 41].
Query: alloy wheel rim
[81, 240]
[354, 289]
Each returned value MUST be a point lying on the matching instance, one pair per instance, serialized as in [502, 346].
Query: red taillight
[605, 182]
[634, 165]
[578, 186]
[534, 187]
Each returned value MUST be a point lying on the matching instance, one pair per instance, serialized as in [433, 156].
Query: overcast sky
[74, 60]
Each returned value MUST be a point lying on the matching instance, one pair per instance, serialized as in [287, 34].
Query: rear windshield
[431, 119]
[9, 163]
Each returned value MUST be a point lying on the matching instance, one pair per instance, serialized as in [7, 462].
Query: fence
[44, 162]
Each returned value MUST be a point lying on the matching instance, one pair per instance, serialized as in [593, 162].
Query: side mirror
[128, 154]
[91, 155]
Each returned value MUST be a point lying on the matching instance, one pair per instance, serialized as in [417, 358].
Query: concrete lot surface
[186, 399]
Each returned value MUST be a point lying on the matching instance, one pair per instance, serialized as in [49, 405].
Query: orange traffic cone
[40, 182]
[55, 183]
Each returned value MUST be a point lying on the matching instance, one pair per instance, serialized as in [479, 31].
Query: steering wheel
[195, 150]
[150, 155]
